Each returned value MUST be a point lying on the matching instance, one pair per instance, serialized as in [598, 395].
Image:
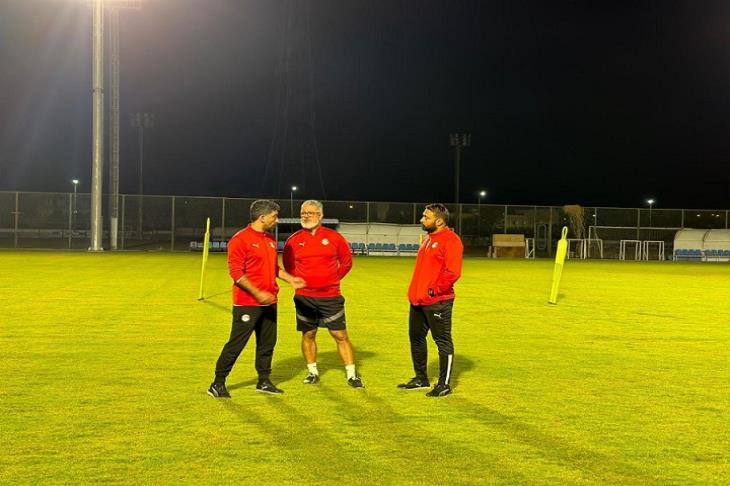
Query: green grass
[105, 359]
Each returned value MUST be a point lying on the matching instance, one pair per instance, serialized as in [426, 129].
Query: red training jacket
[438, 267]
[252, 254]
[322, 259]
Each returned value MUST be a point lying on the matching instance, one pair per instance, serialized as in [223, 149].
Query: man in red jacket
[253, 266]
[321, 257]
[431, 294]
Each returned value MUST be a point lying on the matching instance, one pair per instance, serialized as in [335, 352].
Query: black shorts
[314, 312]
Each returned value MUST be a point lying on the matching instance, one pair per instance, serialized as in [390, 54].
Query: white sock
[312, 367]
[350, 369]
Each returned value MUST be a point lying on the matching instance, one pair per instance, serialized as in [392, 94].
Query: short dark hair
[262, 207]
[440, 211]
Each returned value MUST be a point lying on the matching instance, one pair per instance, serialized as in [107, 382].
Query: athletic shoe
[218, 390]
[311, 379]
[440, 390]
[415, 383]
[355, 382]
[266, 386]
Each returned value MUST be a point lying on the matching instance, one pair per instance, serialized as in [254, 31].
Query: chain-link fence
[61, 220]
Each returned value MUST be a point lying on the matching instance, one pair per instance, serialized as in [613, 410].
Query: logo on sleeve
[325, 241]
[245, 318]
[435, 244]
[255, 245]
[271, 244]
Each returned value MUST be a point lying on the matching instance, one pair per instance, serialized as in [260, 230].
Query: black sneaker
[440, 390]
[266, 386]
[355, 382]
[311, 379]
[218, 390]
[415, 383]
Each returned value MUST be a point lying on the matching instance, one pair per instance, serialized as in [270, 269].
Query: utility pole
[140, 121]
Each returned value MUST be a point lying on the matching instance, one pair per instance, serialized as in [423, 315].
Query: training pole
[559, 260]
[206, 241]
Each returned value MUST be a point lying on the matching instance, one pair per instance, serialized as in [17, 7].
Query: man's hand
[298, 283]
[263, 297]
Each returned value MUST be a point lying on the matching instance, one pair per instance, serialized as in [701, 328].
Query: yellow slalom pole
[206, 242]
[559, 260]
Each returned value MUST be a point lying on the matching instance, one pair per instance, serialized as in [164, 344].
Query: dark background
[593, 103]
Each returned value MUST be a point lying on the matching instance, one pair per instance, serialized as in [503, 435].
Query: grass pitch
[105, 359]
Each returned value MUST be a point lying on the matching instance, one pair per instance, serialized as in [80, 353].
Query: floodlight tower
[114, 6]
[140, 121]
[97, 132]
[458, 140]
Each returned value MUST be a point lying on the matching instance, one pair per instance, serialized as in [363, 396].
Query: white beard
[309, 225]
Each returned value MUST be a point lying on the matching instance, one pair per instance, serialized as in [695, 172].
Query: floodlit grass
[105, 359]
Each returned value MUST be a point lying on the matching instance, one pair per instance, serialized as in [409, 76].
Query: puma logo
[437, 315]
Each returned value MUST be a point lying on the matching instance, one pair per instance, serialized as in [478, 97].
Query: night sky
[567, 102]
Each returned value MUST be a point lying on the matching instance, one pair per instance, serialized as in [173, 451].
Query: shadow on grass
[293, 435]
[598, 466]
[289, 368]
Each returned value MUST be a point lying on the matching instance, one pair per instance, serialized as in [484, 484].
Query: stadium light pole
[114, 7]
[480, 195]
[97, 131]
[291, 200]
[458, 141]
[75, 182]
[650, 202]
[140, 121]
[72, 212]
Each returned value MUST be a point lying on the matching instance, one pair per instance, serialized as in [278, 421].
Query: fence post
[681, 224]
[505, 219]
[638, 223]
[172, 226]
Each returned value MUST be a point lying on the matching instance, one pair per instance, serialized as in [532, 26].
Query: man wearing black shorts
[321, 257]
